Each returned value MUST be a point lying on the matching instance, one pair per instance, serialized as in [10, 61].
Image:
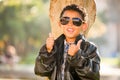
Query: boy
[70, 56]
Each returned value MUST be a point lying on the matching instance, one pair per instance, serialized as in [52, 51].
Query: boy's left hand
[73, 48]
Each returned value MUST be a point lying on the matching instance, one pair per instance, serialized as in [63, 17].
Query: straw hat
[56, 6]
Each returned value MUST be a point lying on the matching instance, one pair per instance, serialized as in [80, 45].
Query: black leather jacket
[85, 65]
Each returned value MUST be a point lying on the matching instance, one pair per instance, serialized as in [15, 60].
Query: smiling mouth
[70, 30]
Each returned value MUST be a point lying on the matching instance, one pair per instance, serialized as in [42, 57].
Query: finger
[50, 35]
[79, 43]
[50, 40]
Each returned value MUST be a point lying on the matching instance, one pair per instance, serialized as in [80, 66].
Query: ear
[84, 27]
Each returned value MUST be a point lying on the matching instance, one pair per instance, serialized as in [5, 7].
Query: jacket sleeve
[45, 62]
[86, 63]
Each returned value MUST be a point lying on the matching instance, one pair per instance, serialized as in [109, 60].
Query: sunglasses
[76, 21]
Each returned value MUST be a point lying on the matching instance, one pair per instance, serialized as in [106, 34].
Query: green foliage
[24, 23]
[30, 59]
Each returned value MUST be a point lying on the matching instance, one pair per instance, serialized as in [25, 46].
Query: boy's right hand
[50, 42]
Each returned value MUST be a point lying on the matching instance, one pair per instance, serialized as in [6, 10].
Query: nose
[70, 23]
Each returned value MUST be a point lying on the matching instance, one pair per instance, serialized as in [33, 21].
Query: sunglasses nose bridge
[70, 22]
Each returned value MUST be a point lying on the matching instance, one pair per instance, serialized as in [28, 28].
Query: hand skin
[71, 51]
[50, 42]
[74, 48]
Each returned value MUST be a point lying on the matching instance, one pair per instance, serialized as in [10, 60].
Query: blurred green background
[25, 25]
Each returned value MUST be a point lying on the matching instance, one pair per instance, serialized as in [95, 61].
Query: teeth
[70, 30]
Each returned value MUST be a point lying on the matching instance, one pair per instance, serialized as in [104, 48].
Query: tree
[24, 24]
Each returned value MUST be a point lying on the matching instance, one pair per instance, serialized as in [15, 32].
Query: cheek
[62, 28]
[78, 30]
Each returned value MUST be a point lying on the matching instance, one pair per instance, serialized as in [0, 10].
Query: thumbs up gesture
[73, 48]
[50, 42]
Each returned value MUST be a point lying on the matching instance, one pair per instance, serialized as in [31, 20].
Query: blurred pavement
[26, 72]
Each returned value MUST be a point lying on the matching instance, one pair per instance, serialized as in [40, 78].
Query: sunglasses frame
[76, 21]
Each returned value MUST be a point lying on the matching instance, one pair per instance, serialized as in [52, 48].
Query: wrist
[49, 49]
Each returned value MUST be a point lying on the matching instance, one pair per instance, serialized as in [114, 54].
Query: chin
[70, 36]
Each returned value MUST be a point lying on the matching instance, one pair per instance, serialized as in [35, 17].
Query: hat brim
[56, 7]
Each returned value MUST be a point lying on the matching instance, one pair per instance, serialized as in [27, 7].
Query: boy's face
[70, 30]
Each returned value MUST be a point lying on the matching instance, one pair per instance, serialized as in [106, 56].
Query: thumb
[51, 35]
[79, 43]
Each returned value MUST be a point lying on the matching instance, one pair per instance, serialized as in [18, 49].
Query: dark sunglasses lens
[77, 21]
[64, 20]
